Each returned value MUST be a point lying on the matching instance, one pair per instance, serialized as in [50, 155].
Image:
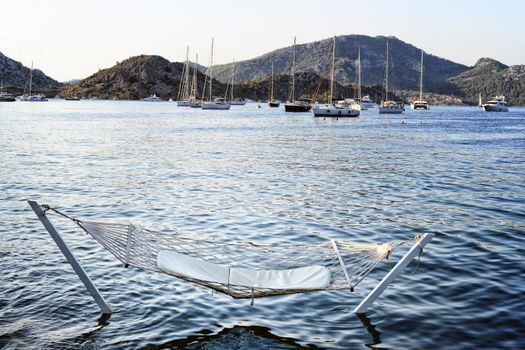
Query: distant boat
[271, 101]
[387, 106]
[497, 104]
[367, 102]
[357, 104]
[152, 98]
[331, 110]
[218, 103]
[30, 97]
[194, 101]
[234, 101]
[5, 97]
[420, 104]
[183, 97]
[292, 105]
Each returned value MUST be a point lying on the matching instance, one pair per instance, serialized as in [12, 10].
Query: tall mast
[211, 66]
[187, 75]
[31, 78]
[293, 72]
[386, 84]
[193, 92]
[271, 89]
[421, 78]
[359, 94]
[332, 73]
[233, 77]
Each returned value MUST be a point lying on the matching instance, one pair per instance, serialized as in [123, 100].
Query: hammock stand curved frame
[414, 251]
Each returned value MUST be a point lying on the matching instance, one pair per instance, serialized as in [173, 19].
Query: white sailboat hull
[335, 112]
[215, 105]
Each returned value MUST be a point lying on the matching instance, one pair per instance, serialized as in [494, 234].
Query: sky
[70, 39]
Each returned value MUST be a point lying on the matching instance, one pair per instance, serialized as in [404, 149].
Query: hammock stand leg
[398, 268]
[71, 259]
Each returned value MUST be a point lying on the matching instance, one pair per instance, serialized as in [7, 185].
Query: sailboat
[194, 102]
[423, 104]
[292, 105]
[218, 103]
[358, 104]
[183, 97]
[331, 110]
[234, 102]
[70, 96]
[29, 97]
[271, 101]
[387, 106]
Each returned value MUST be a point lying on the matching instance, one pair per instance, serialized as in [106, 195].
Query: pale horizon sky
[74, 39]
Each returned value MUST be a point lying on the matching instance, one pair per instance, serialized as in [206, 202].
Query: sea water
[266, 176]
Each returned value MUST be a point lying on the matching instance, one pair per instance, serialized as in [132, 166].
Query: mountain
[135, 78]
[489, 78]
[14, 75]
[312, 57]
[141, 76]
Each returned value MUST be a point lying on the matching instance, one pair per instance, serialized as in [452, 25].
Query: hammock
[347, 263]
[239, 269]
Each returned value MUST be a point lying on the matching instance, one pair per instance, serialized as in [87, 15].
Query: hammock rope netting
[348, 262]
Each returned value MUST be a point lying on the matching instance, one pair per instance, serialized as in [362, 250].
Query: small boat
[367, 102]
[152, 98]
[292, 105]
[218, 103]
[238, 102]
[497, 104]
[271, 101]
[331, 110]
[420, 104]
[234, 101]
[387, 106]
[30, 97]
[72, 98]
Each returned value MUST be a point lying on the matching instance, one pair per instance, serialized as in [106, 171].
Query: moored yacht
[497, 104]
[271, 101]
[30, 97]
[218, 103]
[183, 97]
[152, 98]
[5, 97]
[387, 106]
[292, 105]
[331, 110]
[367, 102]
[420, 104]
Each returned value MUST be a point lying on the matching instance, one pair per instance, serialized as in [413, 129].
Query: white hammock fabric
[241, 269]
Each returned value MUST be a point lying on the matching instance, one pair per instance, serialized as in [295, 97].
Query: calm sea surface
[268, 177]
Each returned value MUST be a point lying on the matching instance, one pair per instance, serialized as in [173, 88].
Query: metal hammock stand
[345, 263]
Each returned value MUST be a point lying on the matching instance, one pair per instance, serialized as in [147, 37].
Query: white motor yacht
[152, 98]
[330, 110]
[367, 102]
[498, 104]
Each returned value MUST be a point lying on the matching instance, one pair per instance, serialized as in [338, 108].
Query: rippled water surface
[264, 176]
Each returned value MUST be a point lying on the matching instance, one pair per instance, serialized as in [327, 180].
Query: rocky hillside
[135, 78]
[489, 78]
[14, 76]
[312, 57]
